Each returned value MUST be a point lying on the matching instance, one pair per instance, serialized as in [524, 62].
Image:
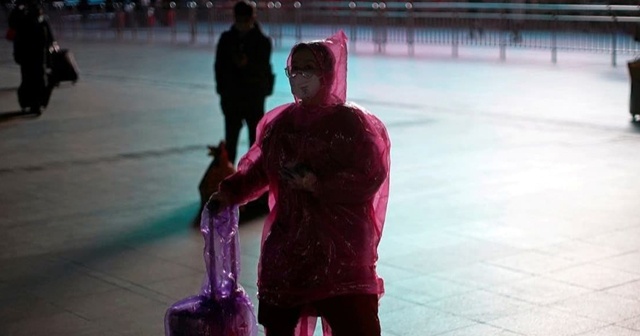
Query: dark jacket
[33, 37]
[254, 78]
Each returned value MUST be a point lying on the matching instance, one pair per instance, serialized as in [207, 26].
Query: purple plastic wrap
[223, 307]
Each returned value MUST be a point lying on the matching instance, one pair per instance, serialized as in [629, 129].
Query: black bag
[63, 66]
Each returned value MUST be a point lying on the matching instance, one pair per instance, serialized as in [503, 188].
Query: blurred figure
[31, 50]
[475, 29]
[243, 75]
[518, 22]
[326, 165]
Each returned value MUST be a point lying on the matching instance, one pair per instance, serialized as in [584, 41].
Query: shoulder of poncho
[273, 114]
[370, 121]
[363, 113]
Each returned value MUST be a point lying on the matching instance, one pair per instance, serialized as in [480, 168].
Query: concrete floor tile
[17, 247]
[26, 307]
[612, 331]
[133, 266]
[544, 322]
[390, 303]
[538, 290]
[533, 263]
[422, 238]
[629, 290]
[510, 235]
[629, 262]
[620, 239]
[179, 288]
[581, 251]
[632, 323]
[481, 306]
[61, 324]
[424, 289]
[391, 274]
[600, 306]
[18, 269]
[9, 292]
[180, 249]
[392, 248]
[593, 276]
[481, 275]
[428, 261]
[425, 262]
[71, 284]
[112, 305]
[481, 330]
[422, 321]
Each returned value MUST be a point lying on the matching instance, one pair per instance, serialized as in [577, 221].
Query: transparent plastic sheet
[222, 308]
[323, 243]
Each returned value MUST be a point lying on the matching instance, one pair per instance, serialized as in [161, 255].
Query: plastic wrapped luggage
[222, 308]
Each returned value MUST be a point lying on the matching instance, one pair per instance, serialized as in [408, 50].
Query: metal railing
[601, 28]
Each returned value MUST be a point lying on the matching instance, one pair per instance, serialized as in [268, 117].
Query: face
[303, 61]
[304, 76]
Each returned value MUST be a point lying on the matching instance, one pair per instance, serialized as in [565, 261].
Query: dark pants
[236, 111]
[347, 315]
[34, 91]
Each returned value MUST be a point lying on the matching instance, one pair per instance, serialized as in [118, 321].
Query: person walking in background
[32, 45]
[243, 75]
[475, 29]
[326, 165]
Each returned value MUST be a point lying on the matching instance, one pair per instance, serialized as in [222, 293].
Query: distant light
[352, 5]
[408, 5]
[297, 4]
[374, 5]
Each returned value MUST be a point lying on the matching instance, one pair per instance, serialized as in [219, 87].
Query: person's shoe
[36, 110]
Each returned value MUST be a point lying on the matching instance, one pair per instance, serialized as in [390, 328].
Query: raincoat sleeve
[249, 182]
[360, 166]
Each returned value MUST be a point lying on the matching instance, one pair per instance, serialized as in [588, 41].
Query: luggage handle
[220, 229]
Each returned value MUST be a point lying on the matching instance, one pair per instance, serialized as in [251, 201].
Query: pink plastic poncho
[223, 307]
[322, 243]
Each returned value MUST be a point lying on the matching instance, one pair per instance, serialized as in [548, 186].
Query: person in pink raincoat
[325, 163]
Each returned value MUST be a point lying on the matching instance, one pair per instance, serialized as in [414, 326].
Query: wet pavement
[513, 199]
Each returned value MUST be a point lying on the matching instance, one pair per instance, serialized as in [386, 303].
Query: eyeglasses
[294, 73]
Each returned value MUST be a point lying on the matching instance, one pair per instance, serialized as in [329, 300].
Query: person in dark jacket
[243, 75]
[31, 48]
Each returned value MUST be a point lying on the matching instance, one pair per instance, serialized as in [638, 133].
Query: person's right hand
[217, 202]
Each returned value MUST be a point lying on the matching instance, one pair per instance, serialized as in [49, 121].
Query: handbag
[63, 66]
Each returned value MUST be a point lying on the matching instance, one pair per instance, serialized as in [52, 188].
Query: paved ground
[513, 201]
